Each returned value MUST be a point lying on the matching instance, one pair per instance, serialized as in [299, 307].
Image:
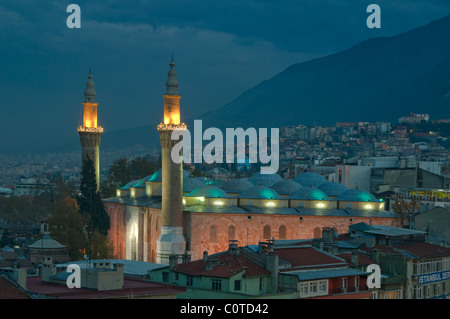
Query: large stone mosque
[170, 212]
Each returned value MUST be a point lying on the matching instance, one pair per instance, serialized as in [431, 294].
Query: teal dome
[310, 179]
[309, 193]
[208, 192]
[157, 177]
[237, 186]
[260, 192]
[141, 183]
[267, 180]
[189, 184]
[286, 187]
[130, 184]
[356, 195]
[333, 188]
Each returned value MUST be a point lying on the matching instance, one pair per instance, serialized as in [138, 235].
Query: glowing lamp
[270, 204]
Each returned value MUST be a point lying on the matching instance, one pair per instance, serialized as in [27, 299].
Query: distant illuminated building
[90, 133]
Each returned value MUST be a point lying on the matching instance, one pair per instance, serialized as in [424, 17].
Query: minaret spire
[172, 81]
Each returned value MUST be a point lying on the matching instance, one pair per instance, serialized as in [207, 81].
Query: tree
[90, 203]
[404, 209]
[123, 171]
[68, 227]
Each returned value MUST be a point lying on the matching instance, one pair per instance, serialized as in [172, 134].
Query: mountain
[378, 79]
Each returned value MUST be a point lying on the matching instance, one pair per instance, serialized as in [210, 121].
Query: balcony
[171, 127]
[98, 129]
[347, 290]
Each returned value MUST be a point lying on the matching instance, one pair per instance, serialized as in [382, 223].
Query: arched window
[231, 232]
[282, 232]
[317, 232]
[266, 232]
[213, 234]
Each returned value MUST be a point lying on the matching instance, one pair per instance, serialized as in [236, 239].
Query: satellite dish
[86, 257]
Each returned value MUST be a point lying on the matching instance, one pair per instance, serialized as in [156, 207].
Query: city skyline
[220, 50]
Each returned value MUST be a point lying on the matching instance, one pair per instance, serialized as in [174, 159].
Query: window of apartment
[426, 291]
[313, 287]
[303, 288]
[216, 284]
[356, 281]
[165, 276]
[322, 286]
[437, 289]
[417, 292]
[237, 285]
[344, 283]
[189, 280]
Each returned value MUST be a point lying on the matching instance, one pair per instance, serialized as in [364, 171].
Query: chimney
[186, 258]
[327, 235]
[48, 268]
[272, 265]
[205, 256]
[233, 247]
[173, 261]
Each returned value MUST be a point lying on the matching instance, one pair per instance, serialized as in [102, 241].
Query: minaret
[171, 241]
[90, 132]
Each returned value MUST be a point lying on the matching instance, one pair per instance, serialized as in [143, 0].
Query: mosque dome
[267, 180]
[237, 185]
[260, 192]
[46, 242]
[309, 193]
[130, 184]
[189, 184]
[356, 195]
[208, 192]
[141, 183]
[308, 179]
[332, 188]
[157, 176]
[286, 187]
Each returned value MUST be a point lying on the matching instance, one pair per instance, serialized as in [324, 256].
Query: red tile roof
[132, 287]
[362, 259]
[228, 265]
[425, 250]
[307, 256]
[8, 290]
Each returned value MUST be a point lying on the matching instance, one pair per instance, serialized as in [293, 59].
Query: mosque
[170, 213]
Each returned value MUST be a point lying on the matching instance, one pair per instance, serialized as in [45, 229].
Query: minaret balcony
[98, 129]
[171, 127]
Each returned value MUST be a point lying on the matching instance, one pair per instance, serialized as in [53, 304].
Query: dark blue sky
[221, 49]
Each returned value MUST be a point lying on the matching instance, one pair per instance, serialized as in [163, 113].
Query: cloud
[221, 49]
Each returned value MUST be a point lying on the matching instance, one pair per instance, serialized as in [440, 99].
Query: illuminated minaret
[171, 241]
[90, 132]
